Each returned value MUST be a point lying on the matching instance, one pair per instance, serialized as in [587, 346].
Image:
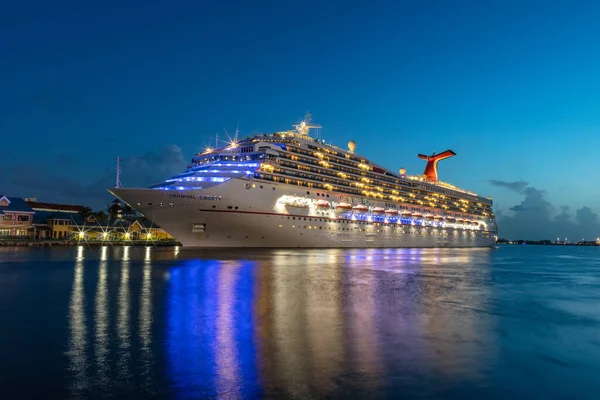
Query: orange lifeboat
[360, 208]
[391, 211]
[417, 214]
[429, 216]
[438, 217]
[406, 213]
[378, 210]
[343, 207]
[450, 219]
[323, 204]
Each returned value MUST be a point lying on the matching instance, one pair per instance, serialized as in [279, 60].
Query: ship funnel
[431, 168]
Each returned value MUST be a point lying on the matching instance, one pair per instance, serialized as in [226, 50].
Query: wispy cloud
[517, 186]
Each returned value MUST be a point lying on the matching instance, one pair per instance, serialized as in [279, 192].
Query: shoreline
[73, 243]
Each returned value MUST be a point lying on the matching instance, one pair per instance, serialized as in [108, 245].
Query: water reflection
[78, 331]
[102, 322]
[322, 322]
[299, 324]
[123, 321]
[145, 321]
[228, 381]
[361, 313]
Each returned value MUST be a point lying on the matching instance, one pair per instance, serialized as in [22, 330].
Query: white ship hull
[246, 213]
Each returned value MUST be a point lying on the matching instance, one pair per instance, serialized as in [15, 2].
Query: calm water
[518, 321]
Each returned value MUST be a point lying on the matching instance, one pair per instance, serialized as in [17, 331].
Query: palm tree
[128, 211]
[99, 216]
[86, 213]
[114, 210]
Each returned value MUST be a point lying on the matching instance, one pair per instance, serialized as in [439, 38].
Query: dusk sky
[513, 87]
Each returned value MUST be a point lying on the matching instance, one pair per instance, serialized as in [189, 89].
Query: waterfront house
[16, 217]
[55, 221]
[30, 219]
[55, 224]
[120, 229]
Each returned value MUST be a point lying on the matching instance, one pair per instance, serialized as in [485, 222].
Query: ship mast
[305, 125]
[118, 178]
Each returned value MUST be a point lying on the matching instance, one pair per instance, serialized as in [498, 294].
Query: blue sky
[511, 86]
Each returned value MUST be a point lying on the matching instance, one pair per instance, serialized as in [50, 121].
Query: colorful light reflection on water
[170, 323]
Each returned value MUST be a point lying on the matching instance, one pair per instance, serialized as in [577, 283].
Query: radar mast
[306, 125]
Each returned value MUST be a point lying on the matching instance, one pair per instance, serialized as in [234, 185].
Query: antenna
[118, 179]
[305, 125]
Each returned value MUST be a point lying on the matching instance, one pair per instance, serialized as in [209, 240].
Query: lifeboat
[406, 213]
[343, 207]
[438, 217]
[429, 216]
[323, 204]
[360, 208]
[378, 210]
[450, 219]
[391, 211]
[417, 214]
[475, 223]
[293, 201]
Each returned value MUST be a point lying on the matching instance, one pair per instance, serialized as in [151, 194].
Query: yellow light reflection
[78, 332]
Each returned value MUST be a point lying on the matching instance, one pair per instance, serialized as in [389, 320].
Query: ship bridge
[207, 175]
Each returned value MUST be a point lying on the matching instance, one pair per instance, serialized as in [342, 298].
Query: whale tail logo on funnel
[431, 168]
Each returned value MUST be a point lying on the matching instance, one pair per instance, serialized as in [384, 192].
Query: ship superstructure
[288, 189]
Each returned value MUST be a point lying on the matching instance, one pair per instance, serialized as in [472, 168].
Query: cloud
[535, 218]
[586, 216]
[53, 186]
[517, 186]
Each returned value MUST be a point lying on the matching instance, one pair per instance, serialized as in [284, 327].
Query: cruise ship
[290, 189]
